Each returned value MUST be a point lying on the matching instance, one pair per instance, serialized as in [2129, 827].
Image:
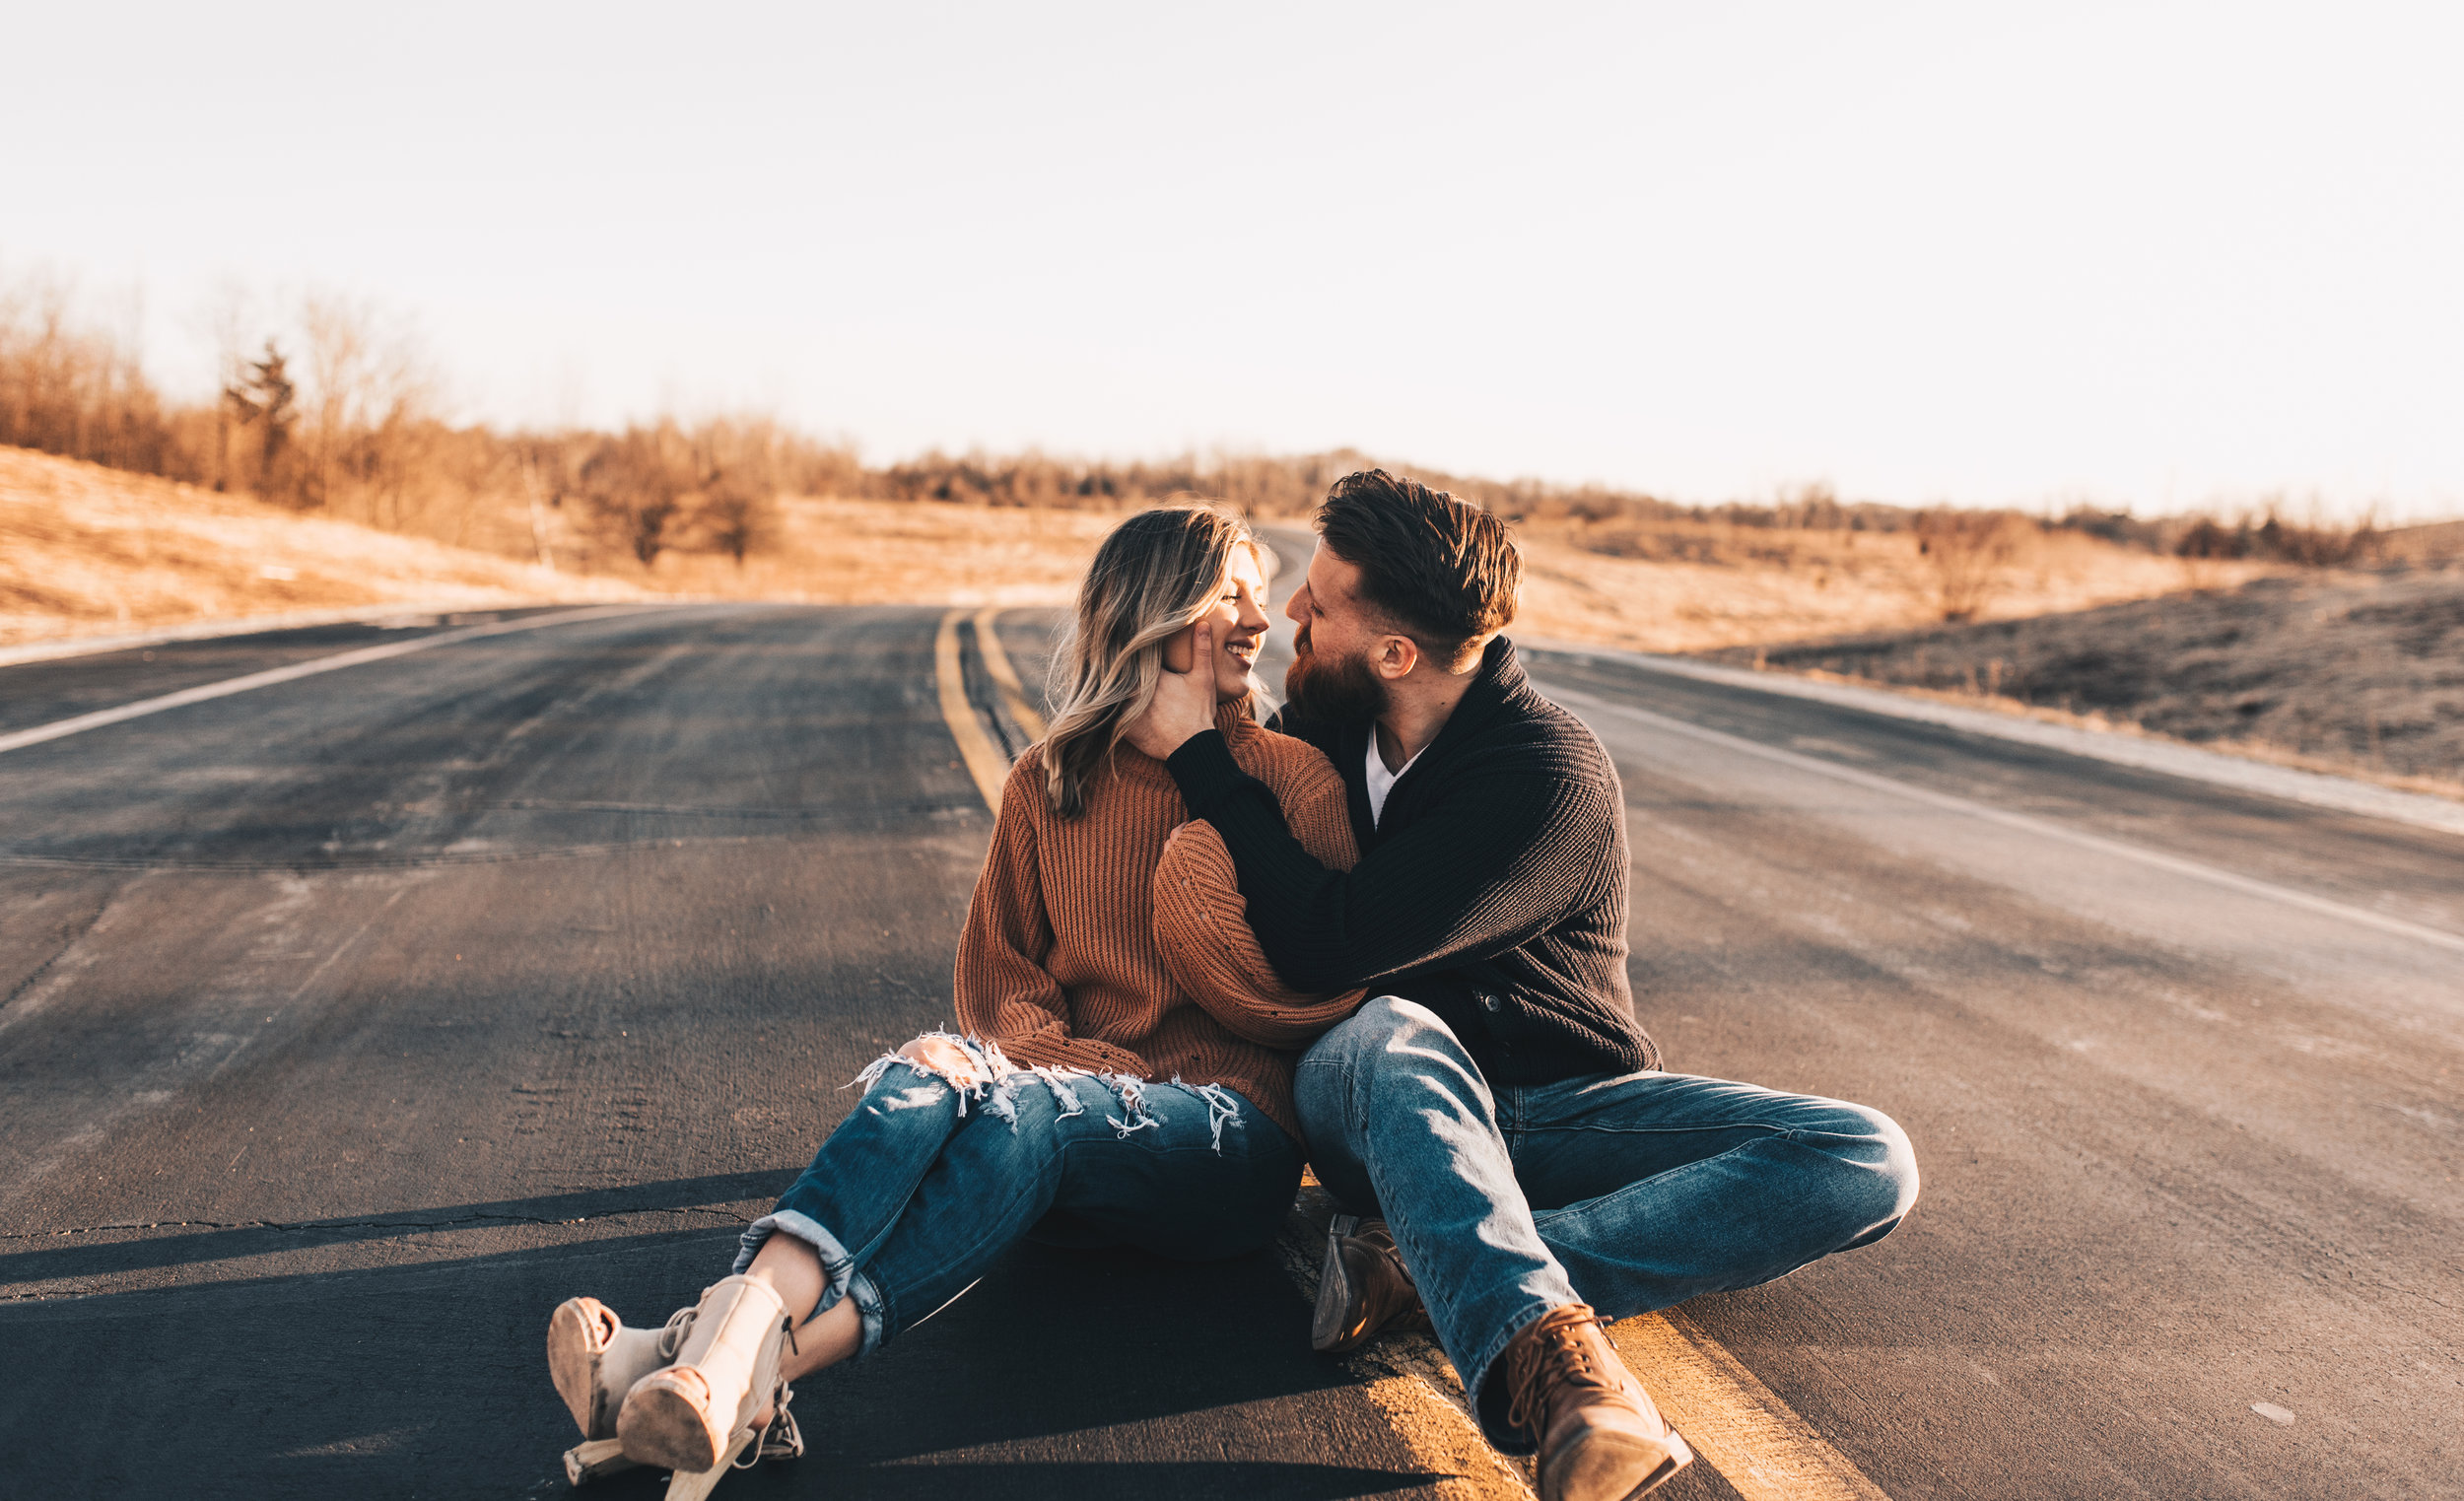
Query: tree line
[327, 406]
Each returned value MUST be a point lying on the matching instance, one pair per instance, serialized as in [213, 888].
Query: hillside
[86, 549]
[91, 551]
[2351, 671]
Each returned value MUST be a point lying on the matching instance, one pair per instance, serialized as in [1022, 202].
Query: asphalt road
[351, 1023]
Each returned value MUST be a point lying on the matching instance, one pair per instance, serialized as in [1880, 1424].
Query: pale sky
[2142, 254]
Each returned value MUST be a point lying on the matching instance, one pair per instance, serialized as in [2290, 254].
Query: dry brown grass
[86, 549]
[902, 552]
[1697, 586]
[2342, 670]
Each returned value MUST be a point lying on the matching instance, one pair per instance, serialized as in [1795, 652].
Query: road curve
[348, 1024]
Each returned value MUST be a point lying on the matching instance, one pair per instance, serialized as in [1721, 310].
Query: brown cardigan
[1060, 961]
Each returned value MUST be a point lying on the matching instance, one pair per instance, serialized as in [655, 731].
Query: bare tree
[1965, 551]
[741, 466]
[635, 485]
[367, 411]
[74, 387]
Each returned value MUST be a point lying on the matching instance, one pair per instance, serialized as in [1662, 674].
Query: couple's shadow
[1065, 1373]
[1102, 1374]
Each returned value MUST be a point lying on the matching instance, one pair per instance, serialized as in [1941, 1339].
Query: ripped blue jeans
[923, 1186]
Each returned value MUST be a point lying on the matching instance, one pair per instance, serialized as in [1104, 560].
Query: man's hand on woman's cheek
[1183, 704]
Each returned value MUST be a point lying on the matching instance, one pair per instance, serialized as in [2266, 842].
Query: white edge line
[1950, 802]
[2321, 789]
[203, 692]
[61, 648]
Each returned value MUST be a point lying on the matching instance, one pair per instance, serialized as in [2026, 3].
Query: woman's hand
[943, 1055]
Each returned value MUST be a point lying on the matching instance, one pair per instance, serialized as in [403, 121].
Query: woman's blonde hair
[1156, 573]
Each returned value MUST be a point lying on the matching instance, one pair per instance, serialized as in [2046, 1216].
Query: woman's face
[1240, 620]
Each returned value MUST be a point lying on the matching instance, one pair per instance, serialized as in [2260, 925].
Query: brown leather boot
[1599, 1437]
[1364, 1291]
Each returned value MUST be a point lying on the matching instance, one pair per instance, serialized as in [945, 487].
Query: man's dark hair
[1443, 570]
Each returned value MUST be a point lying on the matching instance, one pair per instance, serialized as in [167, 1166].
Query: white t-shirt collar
[1381, 780]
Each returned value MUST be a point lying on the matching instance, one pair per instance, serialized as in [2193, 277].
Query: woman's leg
[857, 1185]
[792, 1269]
[1193, 1173]
[838, 1209]
[853, 1189]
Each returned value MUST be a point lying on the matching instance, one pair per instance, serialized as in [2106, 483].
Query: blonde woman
[1105, 1087]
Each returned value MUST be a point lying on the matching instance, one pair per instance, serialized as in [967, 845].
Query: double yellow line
[984, 759]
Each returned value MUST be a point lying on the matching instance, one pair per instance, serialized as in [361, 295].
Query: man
[1495, 1102]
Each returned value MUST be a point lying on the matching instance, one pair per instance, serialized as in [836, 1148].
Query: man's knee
[1374, 1031]
[1878, 1184]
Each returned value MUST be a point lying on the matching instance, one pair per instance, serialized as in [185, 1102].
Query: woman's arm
[1201, 921]
[1003, 989]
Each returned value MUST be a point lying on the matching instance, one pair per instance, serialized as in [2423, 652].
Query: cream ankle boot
[688, 1415]
[595, 1360]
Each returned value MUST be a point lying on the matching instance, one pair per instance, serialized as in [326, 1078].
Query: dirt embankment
[90, 551]
[86, 549]
[2350, 671]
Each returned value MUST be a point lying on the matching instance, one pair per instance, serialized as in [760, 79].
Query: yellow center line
[1005, 677]
[985, 761]
[1737, 1425]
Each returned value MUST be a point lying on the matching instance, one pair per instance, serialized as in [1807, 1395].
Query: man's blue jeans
[923, 1186]
[1629, 1192]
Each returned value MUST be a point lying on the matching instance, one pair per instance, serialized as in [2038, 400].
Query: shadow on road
[171, 1246]
[1096, 1374]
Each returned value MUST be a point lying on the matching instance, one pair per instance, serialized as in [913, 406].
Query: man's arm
[1502, 856]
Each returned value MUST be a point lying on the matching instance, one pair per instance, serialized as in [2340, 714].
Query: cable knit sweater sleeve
[1004, 992]
[1202, 920]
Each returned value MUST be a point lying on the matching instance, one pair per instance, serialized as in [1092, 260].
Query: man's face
[1331, 677]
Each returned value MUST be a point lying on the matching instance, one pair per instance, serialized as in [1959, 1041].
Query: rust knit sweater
[1059, 961]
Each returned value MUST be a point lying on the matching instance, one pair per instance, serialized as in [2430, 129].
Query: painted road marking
[2216, 767]
[1950, 803]
[985, 761]
[1005, 677]
[60, 728]
[1738, 1427]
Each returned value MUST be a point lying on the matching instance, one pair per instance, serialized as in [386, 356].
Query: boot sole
[1603, 1468]
[576, 1348]
[661, 1427]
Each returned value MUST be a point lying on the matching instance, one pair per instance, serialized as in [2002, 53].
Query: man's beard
[1332, 690]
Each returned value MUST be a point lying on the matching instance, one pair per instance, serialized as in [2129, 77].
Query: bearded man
[1524, 1166]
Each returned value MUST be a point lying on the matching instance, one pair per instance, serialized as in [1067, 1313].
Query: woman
[1108, 1088]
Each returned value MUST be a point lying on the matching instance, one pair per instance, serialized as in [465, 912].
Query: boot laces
[783, 1439]
[679, 1325]
[1553, 1364]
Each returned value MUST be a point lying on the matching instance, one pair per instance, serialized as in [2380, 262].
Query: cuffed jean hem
[844, 1281]
[1493, 1426]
